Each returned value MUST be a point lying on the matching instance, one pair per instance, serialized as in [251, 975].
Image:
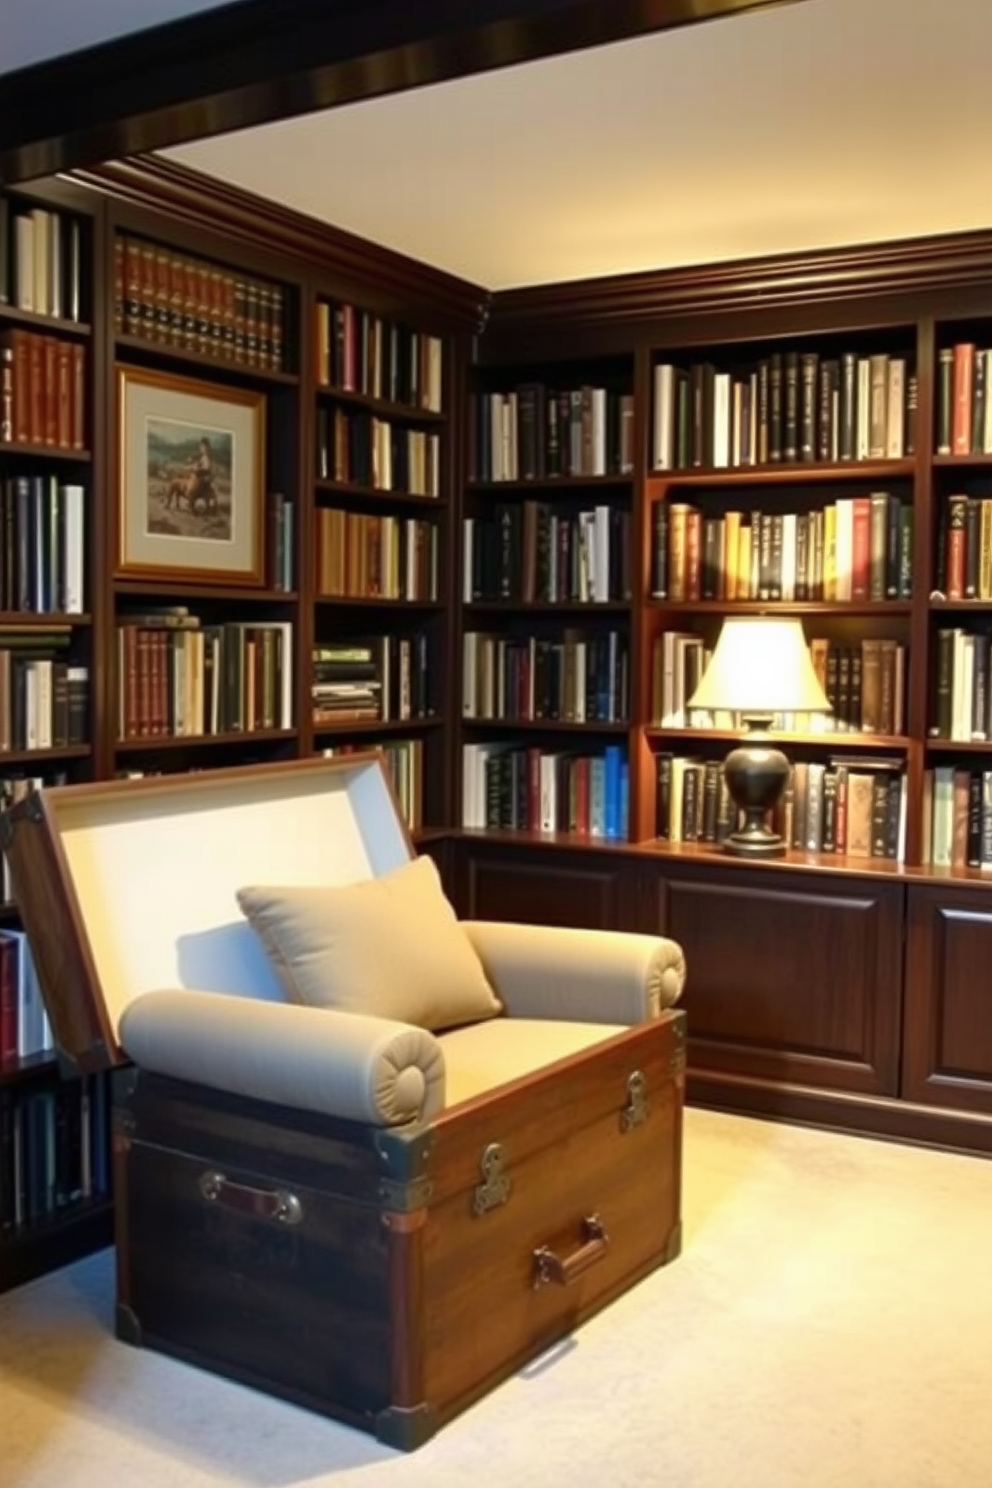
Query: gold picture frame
[191, 479]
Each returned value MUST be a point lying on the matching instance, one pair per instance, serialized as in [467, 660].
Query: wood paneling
[948, 1046]
[578, 889]
[789, 979]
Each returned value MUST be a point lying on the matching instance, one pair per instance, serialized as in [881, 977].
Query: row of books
[855, 808]
[358, 448]
[42, 390]
[177, 299]
[363, 556]
[360, 352]
[579, 678]
[386, 678]
[865, 684]
[530, 552]
[852, 550]
[964, 400]
[24, 1025]
[54, 1150]
[957, 817]
[404, 761]
[793, 406]
[962, 705]
[964, 548]
[178, 677]
[44, 696]
[43, 546]
[41, 261]
[537, 432]
[510, 788]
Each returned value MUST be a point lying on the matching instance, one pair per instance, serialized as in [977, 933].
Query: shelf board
[44, 452]
[202, 741]
[791, 474]
[156, 589]
[524, 838]
[130, 347]
[39, 621]
[38, 756]
[959, 746]
[710, 853]
[548, 606]
[557, 483]
[375, 726]
[349, 601]
[27, 1069]
[982, 606]
[783, 606]
[961, 462]
[544, 725]
[376, 494]
[47, 325]
[408, 412]
[866, 743]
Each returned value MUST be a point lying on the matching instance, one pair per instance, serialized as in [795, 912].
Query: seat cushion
[481, 1058]
[388, 947]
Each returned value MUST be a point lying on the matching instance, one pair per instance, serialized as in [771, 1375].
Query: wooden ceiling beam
[256, 61]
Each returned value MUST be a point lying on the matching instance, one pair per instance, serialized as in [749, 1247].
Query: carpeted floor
[829, 1325]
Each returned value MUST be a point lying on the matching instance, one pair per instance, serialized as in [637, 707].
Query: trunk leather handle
[266, 1203]
[563, 1270]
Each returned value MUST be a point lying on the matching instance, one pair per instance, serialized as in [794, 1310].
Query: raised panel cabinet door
[790, 978]
[947, 1057]
[544, 887]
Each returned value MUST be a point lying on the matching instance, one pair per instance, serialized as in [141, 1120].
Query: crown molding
[884, 270]
[201, 201]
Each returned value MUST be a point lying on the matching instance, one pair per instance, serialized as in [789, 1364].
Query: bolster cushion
[595, 976]
[339, 1064]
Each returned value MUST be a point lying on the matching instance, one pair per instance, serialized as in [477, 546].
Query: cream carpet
[829, 1325]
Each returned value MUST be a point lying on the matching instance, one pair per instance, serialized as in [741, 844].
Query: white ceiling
[44, 29]
[806, 126]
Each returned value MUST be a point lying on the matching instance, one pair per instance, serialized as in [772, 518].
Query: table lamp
[760, 666]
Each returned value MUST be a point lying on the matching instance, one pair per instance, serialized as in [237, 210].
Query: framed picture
[191, 480]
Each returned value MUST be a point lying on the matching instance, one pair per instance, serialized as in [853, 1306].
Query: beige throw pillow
[389, 947]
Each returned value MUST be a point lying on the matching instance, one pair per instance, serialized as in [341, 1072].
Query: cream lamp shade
[761, 665]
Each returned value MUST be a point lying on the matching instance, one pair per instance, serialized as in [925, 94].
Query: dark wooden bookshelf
[822, 987]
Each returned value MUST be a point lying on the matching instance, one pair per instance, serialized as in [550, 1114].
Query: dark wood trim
[874, 271]
[202, 203]
[886, 1117]
[280, 58]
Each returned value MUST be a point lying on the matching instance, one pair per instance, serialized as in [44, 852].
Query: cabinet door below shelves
[947, 1058]
[539, 886]
[791, 979]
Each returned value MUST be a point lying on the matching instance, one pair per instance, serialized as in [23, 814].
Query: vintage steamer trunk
[386, 1276]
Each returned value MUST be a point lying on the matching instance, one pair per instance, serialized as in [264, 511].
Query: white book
[24, 286]
[664, 416]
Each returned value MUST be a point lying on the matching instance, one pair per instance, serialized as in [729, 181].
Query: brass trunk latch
[635, 1110]
[495, 1186]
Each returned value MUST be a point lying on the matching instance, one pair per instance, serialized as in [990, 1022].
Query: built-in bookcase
[54, 1135]
[957, 782]
[547, 586]
[328, 629]
[377, 668]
